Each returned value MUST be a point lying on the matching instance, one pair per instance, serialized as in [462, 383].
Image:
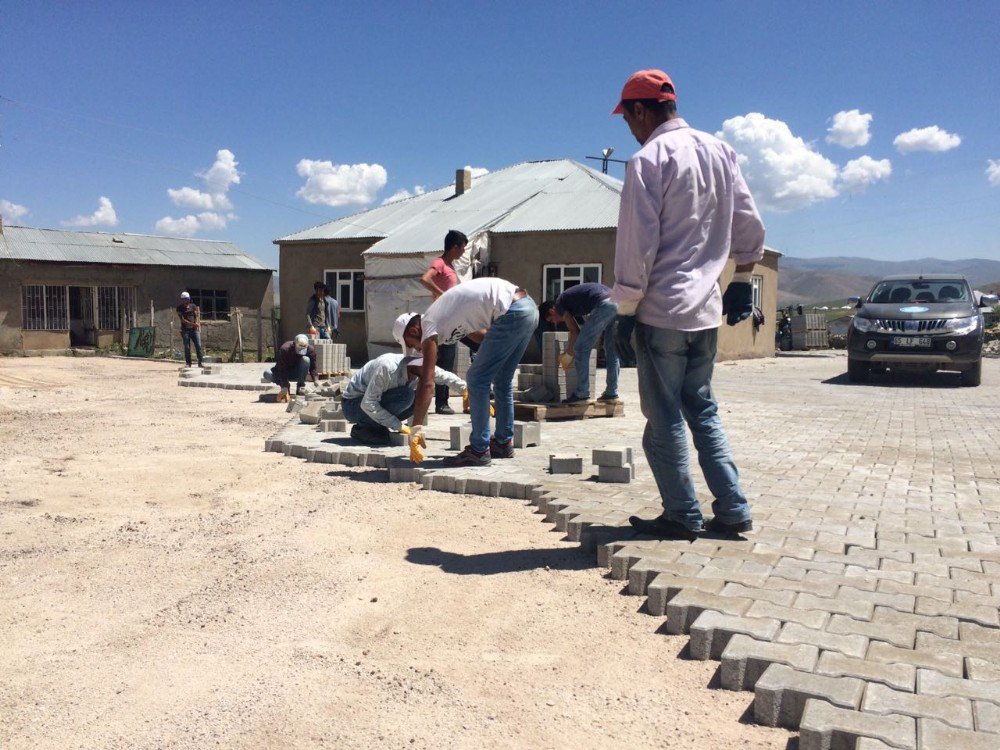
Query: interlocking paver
[949, 664]
[897, 676]
[744, 660]
[712, 631]
[827, 727]
[936, 735]
[952, 710]
[781, 693]
[849, 645]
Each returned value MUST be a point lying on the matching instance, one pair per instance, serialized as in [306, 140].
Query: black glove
[737, 302]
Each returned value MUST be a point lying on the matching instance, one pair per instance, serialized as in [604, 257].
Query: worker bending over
[296, 359]
[502, 317]
[590, 302]
[380, 396]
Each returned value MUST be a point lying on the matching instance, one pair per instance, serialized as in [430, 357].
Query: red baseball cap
[646, 84]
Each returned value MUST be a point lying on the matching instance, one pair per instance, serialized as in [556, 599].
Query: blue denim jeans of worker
[498, 357]
[192, 336]
[675, 386]
[281, 376]
[601, 320]
[322, 332]
[397, 401]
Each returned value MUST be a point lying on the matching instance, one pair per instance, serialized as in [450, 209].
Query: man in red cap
[685, 210]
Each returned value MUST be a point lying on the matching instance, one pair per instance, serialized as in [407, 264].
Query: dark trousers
[192, 336]
[397, 401]
[446, 361]
[281, 376]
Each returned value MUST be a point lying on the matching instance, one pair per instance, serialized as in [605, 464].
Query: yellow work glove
[404, 430]
[566, 361]
[465, 401]
[416, 443]
[493, 412]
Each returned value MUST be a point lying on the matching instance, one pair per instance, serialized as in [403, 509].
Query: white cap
[185, 295]
[399, 328]
[301, 343]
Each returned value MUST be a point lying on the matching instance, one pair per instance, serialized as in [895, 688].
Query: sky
[864, 129]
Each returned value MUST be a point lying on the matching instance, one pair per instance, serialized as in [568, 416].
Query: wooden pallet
[526, 412]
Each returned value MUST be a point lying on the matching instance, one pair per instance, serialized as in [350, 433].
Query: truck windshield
[920, 290]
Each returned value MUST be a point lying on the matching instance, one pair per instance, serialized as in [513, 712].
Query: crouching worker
[296, 359]
[381, 395]
[588, 301]
[503, 318]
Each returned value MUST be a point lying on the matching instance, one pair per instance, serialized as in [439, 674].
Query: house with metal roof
[544, 225]
[62, 289]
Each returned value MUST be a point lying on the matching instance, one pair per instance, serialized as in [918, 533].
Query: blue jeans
[601, 320]
[192, 336]
[498, 357]
[397, 401]
[675, 385]
[281, 376]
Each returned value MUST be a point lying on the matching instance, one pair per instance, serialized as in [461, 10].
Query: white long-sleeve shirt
[685, 209]
[384, 373]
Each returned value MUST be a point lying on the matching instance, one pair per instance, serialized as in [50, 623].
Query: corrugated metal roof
[63, 246]
[532, 196]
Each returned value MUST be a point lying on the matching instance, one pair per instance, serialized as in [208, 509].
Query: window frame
[757, 290]
[50, 295]
[198, 297]
[546, 268]
[357, 276]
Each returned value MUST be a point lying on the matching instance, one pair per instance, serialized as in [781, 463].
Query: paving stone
[867, 743]
[811, 618]
[826, 727]
[972, 613]
[527, 433]
[850, 645]
[950, 664]
[643, 572]
[901, 602]
[615, 475]
[978, 649]
[333, 425]
[565, 464]
[744, 660]
[981, 669]
[459, 435]
[665, 586]
[684, 608]
[936, 735]
[858, 609]
[946, 627]
[781, 693]
[712, 631]
[759, 595]
[987, 717]
[896, 634]
[614, 456]
[401, 469]
[931, 682]
[969, 631]
[952, 710]
[897, 676]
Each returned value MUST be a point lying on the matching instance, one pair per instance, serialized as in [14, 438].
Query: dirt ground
[166, 583]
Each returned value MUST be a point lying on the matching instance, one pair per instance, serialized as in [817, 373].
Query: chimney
[463, 180]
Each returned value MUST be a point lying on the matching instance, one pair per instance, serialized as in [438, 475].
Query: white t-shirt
[465, 308]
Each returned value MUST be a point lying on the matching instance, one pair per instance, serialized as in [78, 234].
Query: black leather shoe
[716, 526]
[662, 528]
[444, 409]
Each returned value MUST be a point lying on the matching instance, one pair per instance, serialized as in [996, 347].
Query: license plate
[912, 342]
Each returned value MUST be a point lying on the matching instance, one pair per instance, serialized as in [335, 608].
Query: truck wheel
[857, 372]
[974, 375]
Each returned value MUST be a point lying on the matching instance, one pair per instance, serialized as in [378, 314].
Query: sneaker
[715, 526]
[501, 450]
[444, 409]
[574, 399]
[608, 397]
[662, 527]
[468, 457]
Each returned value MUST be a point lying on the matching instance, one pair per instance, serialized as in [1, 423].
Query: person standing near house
[685, 210]
[438, 279]
[323, 312]
[502, 317]
[190, 315]
[590, 302]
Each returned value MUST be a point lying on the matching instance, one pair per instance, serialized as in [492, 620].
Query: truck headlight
[863, 325]
[962, 326]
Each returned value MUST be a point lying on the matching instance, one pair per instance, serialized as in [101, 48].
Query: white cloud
[223, 174]
[104, 216]
[850, 128]
[340, 184]
[187, 197]
[404, 194]
[992, 172]
[12, 211]
[859, 173]
[784, 173]
[478, 171]
[189, 225]
[930, 138]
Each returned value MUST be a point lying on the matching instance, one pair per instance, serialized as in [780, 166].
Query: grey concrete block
[811, 618]
[981, 669]
[744, 660]
[931, 682]
[851, 645]
[984, 615]
[616, 475]
[896, 676]
[857, 609]
[712, 631]
[781, 693]
[527, 433]
[398, 440]
[936, 735]
[952, 710]
[309, 413]
[946, 627]
[665, 586]
[565, 464]
[460, 434]
[612, 455]
[949, 664]
[684, 608]
[826, 727]
[333, 425]
[900, 635]
[331, 410]
[987, 717]
[401, 469]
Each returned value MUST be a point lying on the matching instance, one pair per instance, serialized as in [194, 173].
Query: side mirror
[989, 300]
[856, 301]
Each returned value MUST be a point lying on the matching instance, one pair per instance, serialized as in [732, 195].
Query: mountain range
[814, 280]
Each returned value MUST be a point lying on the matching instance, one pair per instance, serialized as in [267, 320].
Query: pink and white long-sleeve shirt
[685, 210]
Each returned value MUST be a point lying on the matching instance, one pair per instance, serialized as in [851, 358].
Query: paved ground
[864, 604]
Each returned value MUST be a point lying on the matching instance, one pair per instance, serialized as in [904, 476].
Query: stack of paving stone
[331, 358]
[562, 383]
[614, 464]
[463, 360]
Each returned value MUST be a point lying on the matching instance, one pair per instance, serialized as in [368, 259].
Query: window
[112, 303]
[757, 286]
[348, 288]
[214, 303]
[43, 308]
[557, 279]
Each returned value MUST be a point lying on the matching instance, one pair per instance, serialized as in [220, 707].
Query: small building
[64, 289]
[544, 225]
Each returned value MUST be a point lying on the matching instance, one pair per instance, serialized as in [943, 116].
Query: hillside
[818, 280]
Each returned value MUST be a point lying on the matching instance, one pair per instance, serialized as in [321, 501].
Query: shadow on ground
[507, 561]
[901, 380]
